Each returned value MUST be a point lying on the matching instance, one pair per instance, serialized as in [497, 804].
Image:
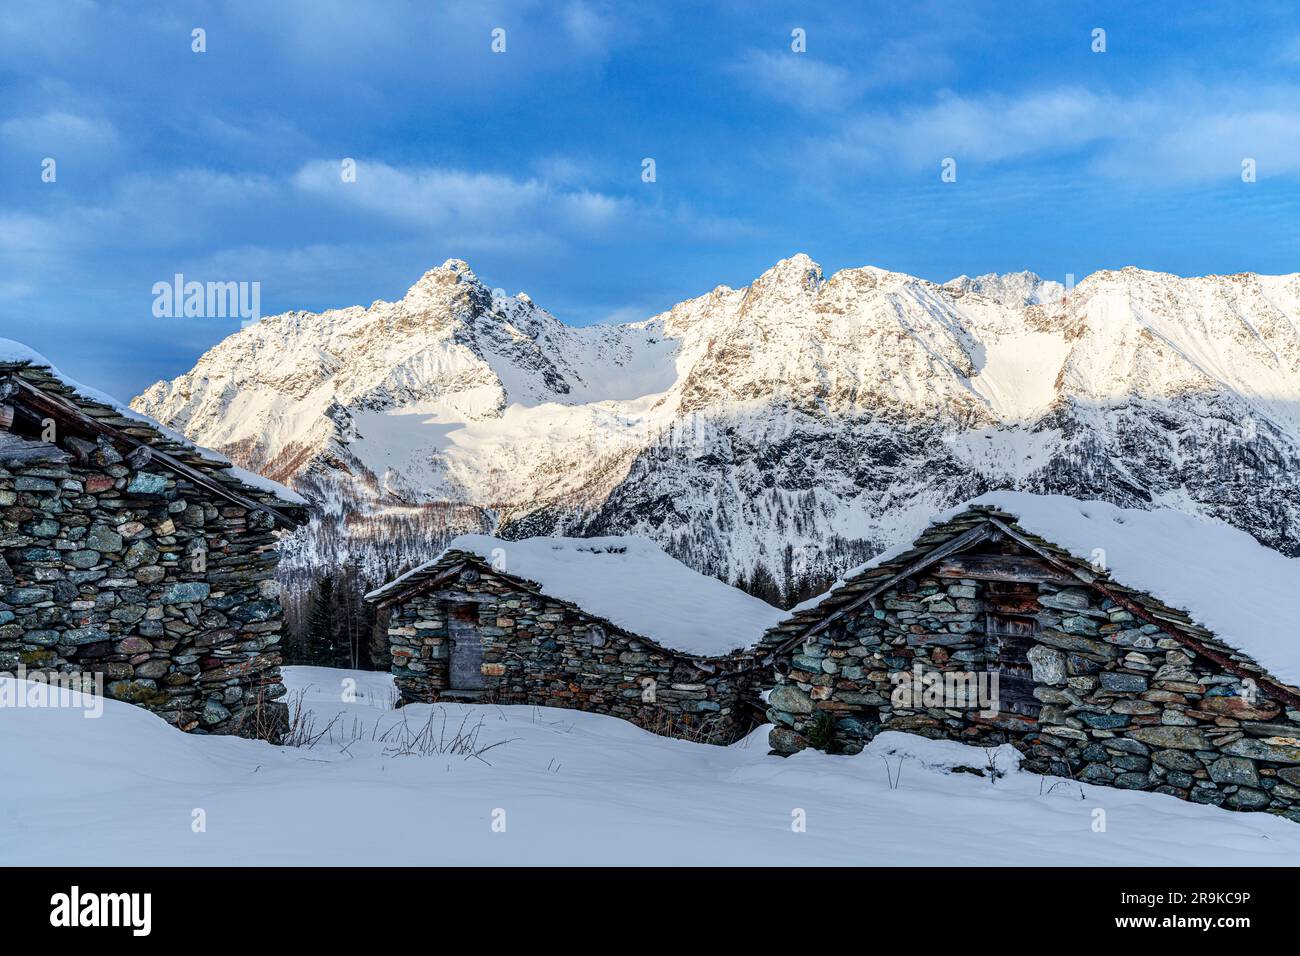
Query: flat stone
[186, 592]
[1177, 738]
[1271, 730]
[1240, 708]
[1127, 746]
[1048, 664]
[790, 699]
[1134, 707]
[257, 611]
[140, 552]
[1120, 681]
[84, 635]
[1177, 760]
[214, 713]
[150, 574]
[1236, 770]
[1132, 781]
[1103, 721]
[1247, 798]
[786, 741]
[1263, 750]
[1069, 599]
[104, 539]
[152, 668]
[1074, 642]
[25, 596]
[1097, 773]
[147, 483]
[1290, 774]
[24, 483]
[1079, 624]
[132, 691]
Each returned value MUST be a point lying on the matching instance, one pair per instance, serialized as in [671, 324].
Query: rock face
[143, 584]
[528, 648]
[772, 435]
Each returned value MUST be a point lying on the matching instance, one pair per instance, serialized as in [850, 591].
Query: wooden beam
[56, 406]
[1003, 567]
[416, 584]
[966, 539]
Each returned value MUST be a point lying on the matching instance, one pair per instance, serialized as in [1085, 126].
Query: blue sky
[224, 165]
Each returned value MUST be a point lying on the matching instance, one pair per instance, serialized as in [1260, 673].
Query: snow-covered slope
[774, 434]
[562, 787]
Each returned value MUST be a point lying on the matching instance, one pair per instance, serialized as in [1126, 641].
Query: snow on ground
[575, 788]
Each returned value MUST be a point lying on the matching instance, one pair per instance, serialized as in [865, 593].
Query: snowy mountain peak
[441, 283]
[783, 429]
[1013, 289]
[798, 272]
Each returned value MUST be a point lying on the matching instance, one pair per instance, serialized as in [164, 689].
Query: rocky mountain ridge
[770, 435]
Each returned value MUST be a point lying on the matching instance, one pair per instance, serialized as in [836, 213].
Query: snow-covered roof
[629, 581]
[1224, 580]
[16, 354]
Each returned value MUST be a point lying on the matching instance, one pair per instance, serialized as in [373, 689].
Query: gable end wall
[100, 573]
[540, 651]
[1123, 704]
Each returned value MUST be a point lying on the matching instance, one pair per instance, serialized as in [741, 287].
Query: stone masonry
[112, 564]
[547, 652]
[1121, 701]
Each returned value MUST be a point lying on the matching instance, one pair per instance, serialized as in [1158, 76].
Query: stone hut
[611, 625]
[1146, 650]
[129, 554]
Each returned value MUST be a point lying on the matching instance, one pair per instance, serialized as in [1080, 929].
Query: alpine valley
[772, 435]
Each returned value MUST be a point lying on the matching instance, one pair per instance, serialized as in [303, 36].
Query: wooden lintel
[1003, 567]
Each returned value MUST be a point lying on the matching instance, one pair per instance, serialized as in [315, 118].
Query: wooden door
[466, 648]
[1010, 631]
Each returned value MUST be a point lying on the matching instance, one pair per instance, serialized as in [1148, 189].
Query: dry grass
[434, 737]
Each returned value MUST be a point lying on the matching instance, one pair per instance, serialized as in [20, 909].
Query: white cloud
[813, 84]
[492, 208]
[796, 79]
[55, 132]
[588, 27]
[1176, 133]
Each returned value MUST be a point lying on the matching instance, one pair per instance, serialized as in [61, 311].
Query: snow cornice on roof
[1207, 585]
[628, 583]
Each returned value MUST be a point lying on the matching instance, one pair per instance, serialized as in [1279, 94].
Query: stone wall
[1123, 703]
[164, 589]
[546, 652]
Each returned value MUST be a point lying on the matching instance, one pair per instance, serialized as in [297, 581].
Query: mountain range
[770, 435]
